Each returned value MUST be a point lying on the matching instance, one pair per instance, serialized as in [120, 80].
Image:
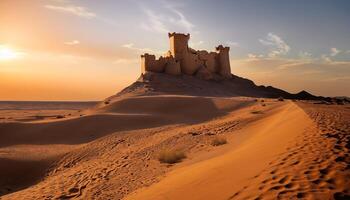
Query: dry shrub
[218, 141]
[171, 156]
[256, 112]
[280, 99]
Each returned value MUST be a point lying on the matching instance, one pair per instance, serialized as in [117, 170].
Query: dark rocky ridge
[152, 83]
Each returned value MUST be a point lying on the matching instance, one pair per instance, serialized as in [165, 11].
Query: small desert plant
[280, 99]
[256, 112]
[171, 156]
[218, 141]
[60, 116]
[263, 105]
[262, 100]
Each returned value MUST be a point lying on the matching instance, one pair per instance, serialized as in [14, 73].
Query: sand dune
[217, 178]
[126, 114]
[275, 150]
[131, 114]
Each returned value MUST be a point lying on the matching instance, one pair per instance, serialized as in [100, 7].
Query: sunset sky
[90, 49]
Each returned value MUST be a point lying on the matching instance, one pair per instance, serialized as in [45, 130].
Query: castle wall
[210, 60]
[173, 67]
[191, 63]
[149, 63]
[182, 59]
[224, 61]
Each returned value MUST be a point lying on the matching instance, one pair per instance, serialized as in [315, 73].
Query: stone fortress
[182, 59]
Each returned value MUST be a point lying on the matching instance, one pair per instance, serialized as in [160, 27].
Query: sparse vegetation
[262, 100]
[60, 116]
[194, 133]
[256, 112]
[106, 102]
[218, 141]
[280, 99]
[263, 105]
[171, 156]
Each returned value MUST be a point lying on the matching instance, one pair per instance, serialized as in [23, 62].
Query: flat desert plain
[176, 147]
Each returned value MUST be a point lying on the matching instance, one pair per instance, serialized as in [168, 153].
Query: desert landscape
[106, 117]
[239, 147]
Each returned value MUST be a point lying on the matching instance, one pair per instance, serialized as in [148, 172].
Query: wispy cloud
[337, 78]
[232, 44]
[277, 45]
[252, 56]
[141, 50]
[181, 20]
[131, 46]
[155, 22]
[74, 10]
[293, 63]
[196, 44]
[305, 55]
[66, 6]
[334, 51]
[73, 42]
[172, 19]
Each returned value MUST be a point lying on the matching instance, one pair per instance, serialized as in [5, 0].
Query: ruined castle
[182, 59]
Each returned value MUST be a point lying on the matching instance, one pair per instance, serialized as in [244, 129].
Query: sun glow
[7, 53]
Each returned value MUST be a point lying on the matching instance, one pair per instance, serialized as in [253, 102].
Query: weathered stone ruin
[182, 59]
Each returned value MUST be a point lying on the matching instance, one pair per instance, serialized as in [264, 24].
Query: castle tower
[224, 61]
[178, 45]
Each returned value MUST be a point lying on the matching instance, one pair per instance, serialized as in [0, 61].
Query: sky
[90, 49]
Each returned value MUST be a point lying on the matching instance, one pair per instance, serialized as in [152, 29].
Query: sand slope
[72, 135]
[220, 177]
[275, 150]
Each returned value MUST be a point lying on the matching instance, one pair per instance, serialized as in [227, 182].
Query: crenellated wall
[183, 60]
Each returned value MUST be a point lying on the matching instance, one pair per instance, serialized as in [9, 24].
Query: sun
[7, 53]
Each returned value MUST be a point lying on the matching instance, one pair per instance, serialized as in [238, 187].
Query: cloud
[171, 19]
[73, 42]
[182, 21]
[196, 44]
[334, 51]
[305, 55]
[293, 63]
[140, 50]
[337, 79]
[74, 10]
[232, 44]
[277, 45]
[155, 23]
[131, 46]
[326, 58]
[252, 56]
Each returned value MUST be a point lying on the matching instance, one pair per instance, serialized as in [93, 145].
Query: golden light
[7, 53]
